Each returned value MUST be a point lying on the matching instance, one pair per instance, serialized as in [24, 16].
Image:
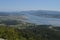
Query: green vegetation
[8, 33]
[38, 32]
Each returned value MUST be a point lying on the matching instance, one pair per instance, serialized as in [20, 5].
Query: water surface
[42, 20]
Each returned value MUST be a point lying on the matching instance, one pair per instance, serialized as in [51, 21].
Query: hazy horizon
[25, 5]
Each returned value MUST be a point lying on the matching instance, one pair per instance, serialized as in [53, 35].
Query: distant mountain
[4, 14]
[33, 16]
[44, 13]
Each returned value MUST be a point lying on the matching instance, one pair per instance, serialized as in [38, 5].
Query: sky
[23, 5]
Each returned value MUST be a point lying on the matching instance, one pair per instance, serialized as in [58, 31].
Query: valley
[30, 25]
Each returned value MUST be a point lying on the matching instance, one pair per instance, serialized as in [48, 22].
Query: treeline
[39, 32]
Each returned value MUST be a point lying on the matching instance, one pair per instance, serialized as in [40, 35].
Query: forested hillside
[38, 32]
